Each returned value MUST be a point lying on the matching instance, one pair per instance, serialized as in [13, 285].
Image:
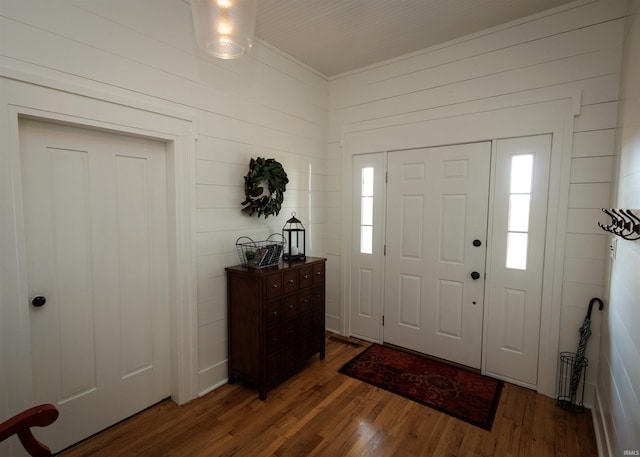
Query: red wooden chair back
[20, 424]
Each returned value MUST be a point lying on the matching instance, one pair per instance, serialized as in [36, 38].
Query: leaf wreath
[263, 171]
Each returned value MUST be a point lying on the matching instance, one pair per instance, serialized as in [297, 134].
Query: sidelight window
[519, 211]
[366, 211]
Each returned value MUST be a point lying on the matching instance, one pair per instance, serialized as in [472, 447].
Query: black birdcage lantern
[294, 237]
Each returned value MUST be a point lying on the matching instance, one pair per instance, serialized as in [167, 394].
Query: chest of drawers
[276, 319]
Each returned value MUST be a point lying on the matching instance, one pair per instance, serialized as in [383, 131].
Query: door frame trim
[550, 112]
[33, 96]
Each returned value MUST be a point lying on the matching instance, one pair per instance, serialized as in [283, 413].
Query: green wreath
[263, 171]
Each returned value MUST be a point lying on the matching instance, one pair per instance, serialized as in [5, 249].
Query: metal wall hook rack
[623, 223]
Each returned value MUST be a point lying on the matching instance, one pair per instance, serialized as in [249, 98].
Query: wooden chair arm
[20, 424]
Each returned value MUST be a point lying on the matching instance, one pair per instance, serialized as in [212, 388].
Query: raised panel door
[437, 205]
[96, 236]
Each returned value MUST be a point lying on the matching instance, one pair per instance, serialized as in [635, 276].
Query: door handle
[475, 275]
[38, 301]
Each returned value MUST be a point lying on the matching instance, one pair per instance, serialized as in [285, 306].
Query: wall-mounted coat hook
[624, 223]
[609, 227]
[621, 222]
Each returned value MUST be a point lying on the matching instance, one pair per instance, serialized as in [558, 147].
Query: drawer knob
[291, 281]
[306, 276]
[290, 306]
[275, 286]
[275, 313]
[318, 273]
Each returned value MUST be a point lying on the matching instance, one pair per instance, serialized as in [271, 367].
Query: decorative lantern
[293, 233]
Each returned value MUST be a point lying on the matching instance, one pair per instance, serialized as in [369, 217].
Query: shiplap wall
[577, 46]
[268, 105]
[618, 383]
[262, 105]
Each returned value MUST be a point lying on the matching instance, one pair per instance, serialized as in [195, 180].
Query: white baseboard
[602, 439]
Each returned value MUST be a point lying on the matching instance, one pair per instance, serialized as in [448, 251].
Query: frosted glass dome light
[224, 28]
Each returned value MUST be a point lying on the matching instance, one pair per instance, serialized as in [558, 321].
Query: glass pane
[367, 182]
[519, 213]
[366, 211]
[521, 173]
[517, 250]
[366, 240]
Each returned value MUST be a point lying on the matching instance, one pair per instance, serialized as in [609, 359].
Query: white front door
[437, 207]
[95, 209]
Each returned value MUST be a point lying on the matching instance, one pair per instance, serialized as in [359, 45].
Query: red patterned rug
[460, 393]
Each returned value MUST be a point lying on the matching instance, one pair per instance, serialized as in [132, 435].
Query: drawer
[317, 316]
[291, 358]
[290, 281]
[274, 339]
[318, 273]
[305, 276]
[305, 301]
[291, 333]
[274, 313]
[306, 326]
[274, 286]
[291, 307]
[317, 296]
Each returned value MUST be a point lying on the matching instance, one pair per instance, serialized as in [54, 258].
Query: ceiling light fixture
[224, 28]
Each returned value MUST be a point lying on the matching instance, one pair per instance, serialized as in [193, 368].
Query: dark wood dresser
[276, 320]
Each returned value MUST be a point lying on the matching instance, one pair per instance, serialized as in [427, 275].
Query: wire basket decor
[260, 254]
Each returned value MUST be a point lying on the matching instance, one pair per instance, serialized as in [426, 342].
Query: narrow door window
[366, 211]
[519, 209]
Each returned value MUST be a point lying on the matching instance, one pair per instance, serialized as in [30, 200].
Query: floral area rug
[455, 391]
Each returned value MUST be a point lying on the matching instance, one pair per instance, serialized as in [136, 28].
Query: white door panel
[437, 204]
[96, 233]
[367, 249]
[514, 296]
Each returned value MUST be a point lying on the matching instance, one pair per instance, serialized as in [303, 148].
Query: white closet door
[95, 210]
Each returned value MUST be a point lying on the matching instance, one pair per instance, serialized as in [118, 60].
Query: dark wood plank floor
[320, 412]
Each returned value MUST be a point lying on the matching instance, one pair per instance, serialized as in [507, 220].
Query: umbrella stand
[573, 367]
[572, 371]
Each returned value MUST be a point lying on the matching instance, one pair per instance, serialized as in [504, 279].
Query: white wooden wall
[574, 47]
[263, 105]
[269, 105]
[618, 384]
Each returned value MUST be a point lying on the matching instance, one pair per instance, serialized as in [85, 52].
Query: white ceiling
[337, 36]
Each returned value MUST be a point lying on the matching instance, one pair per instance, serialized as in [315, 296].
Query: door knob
[477, 243]
[38, 301]
[475, 275]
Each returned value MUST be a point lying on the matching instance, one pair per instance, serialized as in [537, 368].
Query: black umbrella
[579, 362]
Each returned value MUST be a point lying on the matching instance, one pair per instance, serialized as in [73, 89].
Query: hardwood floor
[320, 412]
